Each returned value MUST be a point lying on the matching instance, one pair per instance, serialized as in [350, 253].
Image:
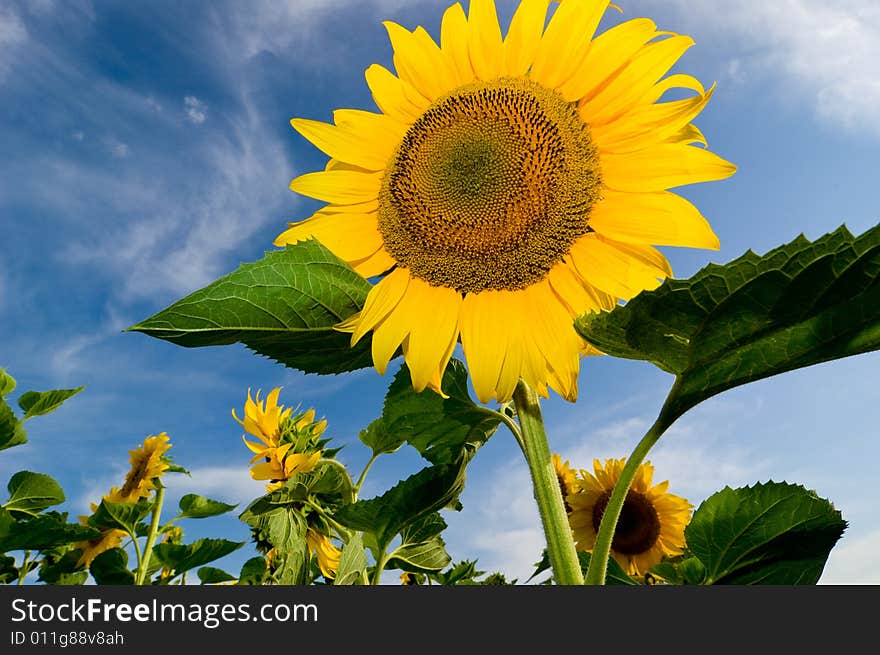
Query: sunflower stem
[605, 536]
[363, 475]
[151, 536]
[560, 544]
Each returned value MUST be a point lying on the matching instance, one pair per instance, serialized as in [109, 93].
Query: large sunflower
[147, 464]
[651, 524]
[509, 184]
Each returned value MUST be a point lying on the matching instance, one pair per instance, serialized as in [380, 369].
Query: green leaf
[193, 506]
[426, 492]
[120, 516]
[253, 572]
[40, 403]
[31, 493]
[183, 557]
[773, 533]
[439, 428]
[11, 429]
[352, 562]
[421, 549]
[111, 568]
[40, 532]
[283, 528]
[61, 567]
[8, 572]
[463, 573]
[801, 304]
[380, 440]
[7, 383]
[212, 575]
[283, 307]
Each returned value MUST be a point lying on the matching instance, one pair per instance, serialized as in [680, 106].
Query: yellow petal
[481, 313]
[647, 255]
[635, 80]
[433, 326]
[566, 41]
[361, 138]
[578, 296]
[380, 301]
[484, 40]
[391, 95]
[415, 64]
[663, 218]
[342, 187]
[454, 43]
[611, 269]
[349, 237]
[524, 36]
[377, 263]
[607, 55]
[663, 167]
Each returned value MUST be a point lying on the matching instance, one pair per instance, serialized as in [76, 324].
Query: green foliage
[31, 493]
[283, 307]
[11, 429]
[424, 493]
[798, 305]
[39, 532]
[193, 506]
[111, 568]
[422, 549]
[615, 575]
[120, 516]
[279, 525]
[7, 383]
[441, 429]
[253, 572]
[352, 563]
[212, 575]
[40, 403]
[773, 533]
[183, 557]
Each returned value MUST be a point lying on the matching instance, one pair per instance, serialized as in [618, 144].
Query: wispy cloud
[12, 35]
[196, 111]
[851, 561]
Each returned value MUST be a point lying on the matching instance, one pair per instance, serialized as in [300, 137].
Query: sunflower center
[490, 187]
[638, 527]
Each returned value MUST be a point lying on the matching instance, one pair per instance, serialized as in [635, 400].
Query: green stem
[380, 566]
[151, 536]
[604, 537]
[560, 544]
[357, 487]
[23, 571]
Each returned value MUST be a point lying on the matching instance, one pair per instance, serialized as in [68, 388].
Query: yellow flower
[146, 465]
[281, 464]
[328, 555]
[264, 420]
[564, 474]
[508, 185]
[91, 549]
[408, 579]
[651, 524]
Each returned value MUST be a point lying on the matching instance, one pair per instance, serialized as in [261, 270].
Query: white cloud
[851, 561]
[829, 53]
[12, 35]
[116, 148]
[196, 111]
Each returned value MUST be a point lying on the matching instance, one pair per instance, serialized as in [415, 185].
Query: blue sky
[148, 151]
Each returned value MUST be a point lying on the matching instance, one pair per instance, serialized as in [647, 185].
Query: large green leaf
[421, 549]
[283, 307]
[39, 532]
[40, 403]
[120, 516]
[424, 493]
[281, 527]
[31, 493]
[193, 506]
[352, 562]
[111, 568]
[11, 429]
[213, 575]
[774, 533]
[439, 428]
[183, 557]
[799, 305]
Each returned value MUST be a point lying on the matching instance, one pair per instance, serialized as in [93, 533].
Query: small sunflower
[264, 420]
[508, 185]
[147, 464]
[651, 524]
[564, 475]
[328, 555]
[280, 464]
[108, 540]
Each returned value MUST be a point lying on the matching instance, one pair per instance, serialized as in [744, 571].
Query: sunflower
[508, 185]
[566, 478]
[108, 540]
[147, 464]
[280, 464]
[651, 524]
[328, 555]
[264, 420]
